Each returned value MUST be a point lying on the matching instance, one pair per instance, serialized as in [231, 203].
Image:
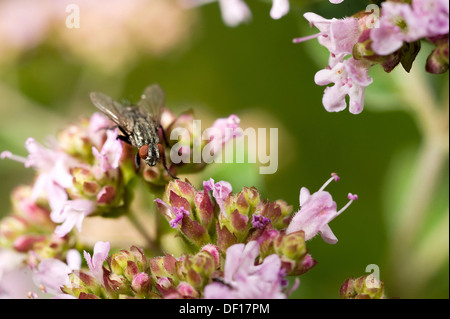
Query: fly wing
[113, 109]
[152, 101]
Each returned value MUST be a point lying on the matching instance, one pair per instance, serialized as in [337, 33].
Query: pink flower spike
[352, 197]
[95, 264]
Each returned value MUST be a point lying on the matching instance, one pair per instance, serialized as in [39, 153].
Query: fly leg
[162, 133]
[162, 156]
[124, 138]
[137, 161]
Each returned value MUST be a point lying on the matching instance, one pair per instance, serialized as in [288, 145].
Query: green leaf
[409, 54]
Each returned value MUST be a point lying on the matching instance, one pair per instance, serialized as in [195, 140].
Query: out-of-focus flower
[438, 60]
[398, 24]
[433, 15]
[279, 8]
[222, 131]
[317, 210]
[126, 28]
[52, 274]
[243, 279]
[53, 167]
[235, 12]
[30, 230]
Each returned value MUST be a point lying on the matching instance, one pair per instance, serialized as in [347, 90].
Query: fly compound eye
[143, 152]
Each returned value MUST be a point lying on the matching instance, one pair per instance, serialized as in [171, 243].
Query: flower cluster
[358, 42]
[238, 244]
[126, 28]
[364, 287]
[79, 174]
[215, 214]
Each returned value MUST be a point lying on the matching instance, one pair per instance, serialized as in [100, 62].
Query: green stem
[139, 227]
[432, 159]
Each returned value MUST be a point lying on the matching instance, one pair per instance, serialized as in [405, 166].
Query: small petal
[279, 8]
[234, 12]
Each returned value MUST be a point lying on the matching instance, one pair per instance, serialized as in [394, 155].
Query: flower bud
[364, 287]
[165, 287]
[128, 263]
[82, 285]
[141, 284]
[291, 246]
[183, 189]
[187, 291]
[33, 211]
[165, 266]
[293, 253]
[214, 251]
[225, 238]
[438, 60]
[198, 269]
[204, 208]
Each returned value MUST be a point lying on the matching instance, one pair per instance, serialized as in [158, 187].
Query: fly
[139, 124]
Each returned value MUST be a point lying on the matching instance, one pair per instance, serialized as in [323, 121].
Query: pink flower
[350, 77]
[179, 212]
[337, 35]
[398, 24]
[279, 8]
[220, 191]
[95, 264]
[98, 123]
[53, 172]
[222, 131]
[72, 215]
[433, 14]
[109, 156]
[174, 214]
[52, 274]
[336, 1]
[245, 280]
[317, 210]
[234, 12]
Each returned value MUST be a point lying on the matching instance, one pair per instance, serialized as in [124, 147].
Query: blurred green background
[256, 72]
